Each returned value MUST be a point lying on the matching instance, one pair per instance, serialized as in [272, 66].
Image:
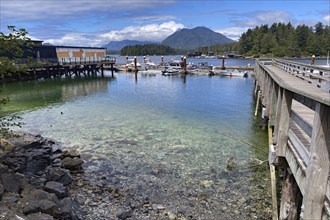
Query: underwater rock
[207, 183]
[231, 163]
[72, 163]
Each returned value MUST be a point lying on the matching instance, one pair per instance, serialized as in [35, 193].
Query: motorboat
[227, 72]
[170, 71]
[236, 73]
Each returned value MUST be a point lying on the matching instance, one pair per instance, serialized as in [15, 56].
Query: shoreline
[40, 180]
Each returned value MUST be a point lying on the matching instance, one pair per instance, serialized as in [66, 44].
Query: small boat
[236, 73]
[227, 72]
[171, 71]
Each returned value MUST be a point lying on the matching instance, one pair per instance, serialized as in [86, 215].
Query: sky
[97, 22]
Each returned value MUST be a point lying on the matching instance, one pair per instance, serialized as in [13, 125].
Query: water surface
[167, 138]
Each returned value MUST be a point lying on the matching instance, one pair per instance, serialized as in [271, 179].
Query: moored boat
[227, 72]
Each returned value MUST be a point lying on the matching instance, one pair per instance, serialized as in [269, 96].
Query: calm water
[167, 138]
[214, 62]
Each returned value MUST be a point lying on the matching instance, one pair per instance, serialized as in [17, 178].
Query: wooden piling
[257, 104]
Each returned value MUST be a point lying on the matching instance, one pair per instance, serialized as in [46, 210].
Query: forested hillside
[147, 49]
[285, 40]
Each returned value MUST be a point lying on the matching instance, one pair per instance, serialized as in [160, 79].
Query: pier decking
[48, 68]
[297, 101]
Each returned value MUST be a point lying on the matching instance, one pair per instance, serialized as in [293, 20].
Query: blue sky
[96, 22]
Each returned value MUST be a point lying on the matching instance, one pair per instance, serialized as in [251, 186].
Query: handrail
[322, 99]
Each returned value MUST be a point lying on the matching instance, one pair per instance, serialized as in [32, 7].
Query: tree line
[148, 49]
[285, 40]
[277, 40]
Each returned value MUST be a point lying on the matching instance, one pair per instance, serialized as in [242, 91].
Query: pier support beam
[290, 198]
[318, 168]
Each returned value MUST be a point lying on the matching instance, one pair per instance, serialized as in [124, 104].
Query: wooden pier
[49, 69]
[296, 99]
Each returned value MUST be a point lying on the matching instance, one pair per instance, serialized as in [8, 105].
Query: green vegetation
[218, 49]
[10, 49]
[148, 49]
[281, 40]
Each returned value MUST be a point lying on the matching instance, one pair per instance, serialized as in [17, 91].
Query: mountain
[196, 37]
[118, 45]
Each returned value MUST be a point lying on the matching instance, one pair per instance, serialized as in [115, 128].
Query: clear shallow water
[166, 138]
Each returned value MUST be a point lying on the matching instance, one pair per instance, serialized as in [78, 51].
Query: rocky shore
[41, 181]
[35, 177]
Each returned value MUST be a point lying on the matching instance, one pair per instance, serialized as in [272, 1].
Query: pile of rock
[34, 178]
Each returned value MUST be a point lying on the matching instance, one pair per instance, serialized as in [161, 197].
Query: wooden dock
[50, 69]
[297, 101]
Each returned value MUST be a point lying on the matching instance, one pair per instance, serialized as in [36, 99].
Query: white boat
[236, 73]
[130, 66]
[227, 72]
[171, 71]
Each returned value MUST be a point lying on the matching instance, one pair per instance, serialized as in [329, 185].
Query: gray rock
[70, 153]
[6, 213]
[1, 191]
[59, 175]
[40, 201]
[39, 216]
[13, 182]
[3, 169]
[58, 188]
[67, 206]
[57, 162]
[10, 198]
[124, 214]
[72, 163]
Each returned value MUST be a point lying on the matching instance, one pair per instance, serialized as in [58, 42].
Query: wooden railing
[300, 117]
[65, 61]
[314, 74]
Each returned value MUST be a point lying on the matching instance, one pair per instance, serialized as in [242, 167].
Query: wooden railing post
[318, 167]
[284, 123]
[277, 115]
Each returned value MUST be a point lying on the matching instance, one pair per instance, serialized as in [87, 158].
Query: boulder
[6, 213]
[13, 182]
[58, 188]
[39, 216]
[70, 153]
[72, 163]
[39, 201]
[59, 175]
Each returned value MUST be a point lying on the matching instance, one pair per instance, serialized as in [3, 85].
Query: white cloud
[326, 19]
[232, 32]
[151, 32]
[37, 9]
[257, 18]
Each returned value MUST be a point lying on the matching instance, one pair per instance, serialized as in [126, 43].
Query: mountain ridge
[118, 45]
[194, 38]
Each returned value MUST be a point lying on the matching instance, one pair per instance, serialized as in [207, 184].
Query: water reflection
[25, 96]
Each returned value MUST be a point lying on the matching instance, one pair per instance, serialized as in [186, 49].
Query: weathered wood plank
[318, 167]
[284, 122]
[290, 198]
[305, 126]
